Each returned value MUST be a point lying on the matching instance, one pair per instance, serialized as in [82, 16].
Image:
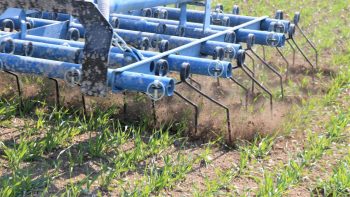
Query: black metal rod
[293, 49]
[125, 105]
[310, 43]
[57, 91]
[244, 68]
[217, 103]
[272, 69]
[306, 58]
[244, 88]
[264, 52]
[302, 53]
[195, 108]
[285, 60]
[218, 81]
[195, 82]
[252, 71]
[84, 105]
[154, 112]
[19, 90]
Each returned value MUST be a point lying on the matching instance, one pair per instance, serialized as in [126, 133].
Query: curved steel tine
[264, 52]
[125, 106]
[272, 69]
[84, 105]
[310, 43]
[195, 82]
[252, 71]
[293, 49]
[57, 92]
[244, 88]
[21, 105]
[154, 110]
[285, 60]
[307, 59]
[217, 103]
[195, 108]
[154, 113]
[244, 68]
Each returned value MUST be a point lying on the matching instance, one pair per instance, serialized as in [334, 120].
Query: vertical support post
[183, 14]
[206, 22]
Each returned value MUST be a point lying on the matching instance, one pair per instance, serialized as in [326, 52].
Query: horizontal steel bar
[197, 17]
[190, 33]
[207, 48]
[192, 44]
[54, 69]
[29, 65]
[200, 66]
[152, 27]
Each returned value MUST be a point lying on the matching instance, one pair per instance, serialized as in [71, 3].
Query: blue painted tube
[55, 30]
[187, 46]
[55, 69]
[200, 66]
[173, 22]
[48, 51]
[63, 17]
[198, 16]
[261, 37]
[207, 48]
[29, 65]
[151, 27]
[38, 22]
[55, 16]
[118, 6]
[56, 41]
[170, 29]
[140, 82]
[62, 53]
[128, 22]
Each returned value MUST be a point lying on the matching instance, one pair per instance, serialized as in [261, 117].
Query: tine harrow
[137, 45]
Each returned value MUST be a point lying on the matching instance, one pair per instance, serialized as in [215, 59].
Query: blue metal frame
[48, 47]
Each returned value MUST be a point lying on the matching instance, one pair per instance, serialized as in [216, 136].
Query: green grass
[276, 183]
[222, 183]
[315, 145]
[291, 174]
[48, 138]
[339, 182]
[156, 178]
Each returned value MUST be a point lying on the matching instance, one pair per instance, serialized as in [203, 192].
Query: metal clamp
[73, 77]
[7, 46]
[7, 23]
[156, 90]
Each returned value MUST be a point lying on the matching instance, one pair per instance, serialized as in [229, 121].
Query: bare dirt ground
[248, 122]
